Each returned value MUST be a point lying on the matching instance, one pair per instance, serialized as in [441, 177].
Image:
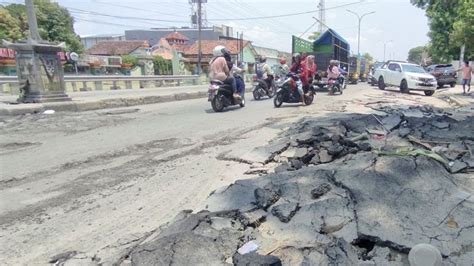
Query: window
[413, 69]
[394, 67]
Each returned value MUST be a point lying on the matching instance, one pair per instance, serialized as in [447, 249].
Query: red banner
[7, 53]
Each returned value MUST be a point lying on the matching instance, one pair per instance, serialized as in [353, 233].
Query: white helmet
[219, 50]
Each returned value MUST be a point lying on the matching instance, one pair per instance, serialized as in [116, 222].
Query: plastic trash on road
[248, 247]
[49, 112]
[425, 255]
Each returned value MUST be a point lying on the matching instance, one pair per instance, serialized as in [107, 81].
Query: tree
[415, 55]
[463, 33]
[368, 58]
[55, 23]
[443, 15]
[9, 28]
[315, 35]
[162, 66]
[18, 12]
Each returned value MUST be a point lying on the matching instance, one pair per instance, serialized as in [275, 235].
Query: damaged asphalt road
[93, 188]
[356, 191]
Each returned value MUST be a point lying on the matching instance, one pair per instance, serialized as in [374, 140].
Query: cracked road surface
[94, 184]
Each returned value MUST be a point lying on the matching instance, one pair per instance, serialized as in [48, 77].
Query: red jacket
[308, 72]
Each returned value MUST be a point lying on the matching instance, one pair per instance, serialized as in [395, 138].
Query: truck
[329, 46]
[354, 68]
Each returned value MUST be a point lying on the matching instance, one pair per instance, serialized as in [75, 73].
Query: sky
[395, 22]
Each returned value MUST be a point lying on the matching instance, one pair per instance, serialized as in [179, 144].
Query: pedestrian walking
[467, 72]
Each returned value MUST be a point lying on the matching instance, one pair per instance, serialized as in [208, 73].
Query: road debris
[340, 196]
[248, 247]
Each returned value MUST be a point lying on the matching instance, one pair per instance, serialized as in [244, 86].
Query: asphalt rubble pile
[362, 190]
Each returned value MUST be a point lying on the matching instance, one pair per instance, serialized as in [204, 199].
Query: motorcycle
[260, 90]
[221, 96]
[288, 93]
[337, 85]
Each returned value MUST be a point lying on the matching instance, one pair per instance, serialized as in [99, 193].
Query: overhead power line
[286, 15]
[109, 23]
[81, 11]
[135, 8]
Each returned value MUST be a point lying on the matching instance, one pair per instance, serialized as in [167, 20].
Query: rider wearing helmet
[220, 67]
[265, 72]
[296, 63]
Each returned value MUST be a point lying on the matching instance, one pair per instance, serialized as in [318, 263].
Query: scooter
[337, 85]
[260, 90]
[221, 96]
[288, 93]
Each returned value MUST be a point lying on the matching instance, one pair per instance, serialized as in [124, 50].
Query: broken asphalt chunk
[320, 190]
[284, 212]
[265, 197]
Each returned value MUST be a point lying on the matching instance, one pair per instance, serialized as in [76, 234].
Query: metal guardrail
[14, 79]
[98, 81]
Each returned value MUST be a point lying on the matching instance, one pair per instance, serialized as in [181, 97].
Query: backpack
[259, 71]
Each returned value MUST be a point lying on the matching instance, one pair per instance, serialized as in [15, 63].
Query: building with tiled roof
[109, 48]
[246, 53]
[176, 38]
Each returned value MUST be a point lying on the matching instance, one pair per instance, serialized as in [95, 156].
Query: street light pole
[384, 46]
[199, 36]
[360, 20]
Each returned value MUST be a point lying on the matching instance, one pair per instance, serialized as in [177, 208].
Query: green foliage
[9, 28]
[415, 55]
[315, 35]
[129, 59]
[368, 58]
[162, 66]
[55, 23]
[463, 32]
[451, 26]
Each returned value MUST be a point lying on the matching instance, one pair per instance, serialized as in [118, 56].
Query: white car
[408, 77]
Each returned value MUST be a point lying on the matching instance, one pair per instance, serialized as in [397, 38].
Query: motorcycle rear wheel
[217, 104]
[309, 99]
[243, 102]
[256, 94]
[278, 101]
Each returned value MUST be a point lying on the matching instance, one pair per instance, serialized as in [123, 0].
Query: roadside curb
[81, 106]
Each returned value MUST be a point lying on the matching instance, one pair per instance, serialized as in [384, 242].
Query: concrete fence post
[128, 84]
[98, 85]
[74, 86]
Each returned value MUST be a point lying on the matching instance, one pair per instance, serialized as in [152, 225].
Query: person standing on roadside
[467, 72]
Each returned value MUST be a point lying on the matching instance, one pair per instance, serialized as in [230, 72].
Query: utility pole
[199, 37]
[322, 15]
[360, 20]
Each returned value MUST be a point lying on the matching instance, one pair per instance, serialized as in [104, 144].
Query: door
[394, 74]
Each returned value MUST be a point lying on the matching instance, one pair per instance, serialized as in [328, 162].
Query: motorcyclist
[297, 67]
[220, 66]
[266, 72]
[283, 68]
[238, 71]
[333, 71]
[309, 70]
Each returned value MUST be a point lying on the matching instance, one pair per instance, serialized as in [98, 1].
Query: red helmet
[282, 61]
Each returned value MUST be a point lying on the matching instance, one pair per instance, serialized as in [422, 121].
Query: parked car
[406, 76]
[444, 74]
[371, 78]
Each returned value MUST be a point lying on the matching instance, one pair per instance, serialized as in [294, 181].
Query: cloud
[263, 36]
